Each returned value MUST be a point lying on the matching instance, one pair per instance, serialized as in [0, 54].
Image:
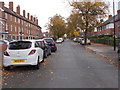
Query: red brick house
[17, 26]
[107, 28]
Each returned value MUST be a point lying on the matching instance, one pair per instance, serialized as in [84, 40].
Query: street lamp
[114, 25]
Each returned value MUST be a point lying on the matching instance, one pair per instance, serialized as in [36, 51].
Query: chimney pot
[11, 6]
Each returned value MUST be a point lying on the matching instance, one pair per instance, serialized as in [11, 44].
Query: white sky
[44, 9]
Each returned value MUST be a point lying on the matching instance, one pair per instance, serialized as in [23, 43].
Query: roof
[18, 15]
[111, 20]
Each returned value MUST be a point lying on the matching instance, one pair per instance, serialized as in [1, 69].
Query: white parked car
[22, 53]
[59, 41]
[82, 41]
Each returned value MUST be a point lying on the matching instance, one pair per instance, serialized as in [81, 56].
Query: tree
[89, 13]
[72, 23]
[57, 26]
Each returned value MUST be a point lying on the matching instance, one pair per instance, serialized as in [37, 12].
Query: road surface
[72, 66]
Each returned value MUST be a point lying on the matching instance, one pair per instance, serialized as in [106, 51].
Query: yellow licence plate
[18, 61]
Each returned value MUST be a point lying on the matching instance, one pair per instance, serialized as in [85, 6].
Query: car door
[40, 51]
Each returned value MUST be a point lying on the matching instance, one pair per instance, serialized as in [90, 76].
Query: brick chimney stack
[110, 16]
[37, 21]
[11, 6]
[31, 18]
[118, 11]
[23, 13]
[1, 4]
[18, 9]
[34, 19]
[28, 15]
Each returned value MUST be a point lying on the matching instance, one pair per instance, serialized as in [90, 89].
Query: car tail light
[32, 52]
[53, 43]
[6, 53]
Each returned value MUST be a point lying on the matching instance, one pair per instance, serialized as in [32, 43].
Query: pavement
[105, 51]
[72, 66]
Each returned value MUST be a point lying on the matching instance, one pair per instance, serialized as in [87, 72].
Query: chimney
[110, 16]
[31, 18]
[11, 6]
[28, 15]
[37, 21]
[18, 9]
[1, 4]
[23, 13]
[34, 19]
[101, 20]
[118, 11]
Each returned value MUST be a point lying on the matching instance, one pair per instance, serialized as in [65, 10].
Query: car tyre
[50, 52]
[45, 55]
[6, 68]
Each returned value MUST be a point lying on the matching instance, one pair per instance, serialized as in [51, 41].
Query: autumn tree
[89, 14]
[72, 23]
[57, 26]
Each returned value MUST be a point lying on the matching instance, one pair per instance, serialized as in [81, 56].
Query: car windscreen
[20, 45]
[49, 40]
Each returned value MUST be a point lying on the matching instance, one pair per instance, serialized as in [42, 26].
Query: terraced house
[13, 25]
[107, 28]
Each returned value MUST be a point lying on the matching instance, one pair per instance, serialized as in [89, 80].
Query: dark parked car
[46, 48]
[51, 43]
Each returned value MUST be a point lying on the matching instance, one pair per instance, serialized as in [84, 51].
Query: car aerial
[46, 48]
[51, 43]
[59, 41]
[119, 51]
[22, 53]
[82, 41]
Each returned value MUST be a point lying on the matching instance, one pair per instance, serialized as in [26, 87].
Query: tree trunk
[86, 33]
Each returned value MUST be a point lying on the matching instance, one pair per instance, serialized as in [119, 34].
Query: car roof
[24, 40]
[48, 38]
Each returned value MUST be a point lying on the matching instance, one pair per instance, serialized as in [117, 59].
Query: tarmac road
[72, 66]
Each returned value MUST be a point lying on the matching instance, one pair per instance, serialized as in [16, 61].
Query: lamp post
[114, 25]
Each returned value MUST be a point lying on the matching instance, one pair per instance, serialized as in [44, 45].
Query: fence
[105, 41]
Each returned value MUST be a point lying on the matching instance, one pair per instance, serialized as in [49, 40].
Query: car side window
[37, 44]
[43, 44]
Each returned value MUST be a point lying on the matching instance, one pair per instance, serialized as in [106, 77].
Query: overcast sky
[44, 9]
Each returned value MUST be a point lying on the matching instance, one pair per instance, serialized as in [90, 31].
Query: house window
[19, 30]
[6, 16]
[15, 19]
[11, 28]
[18, 20]
[10, 17]
[6, 27]
[15, 29]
